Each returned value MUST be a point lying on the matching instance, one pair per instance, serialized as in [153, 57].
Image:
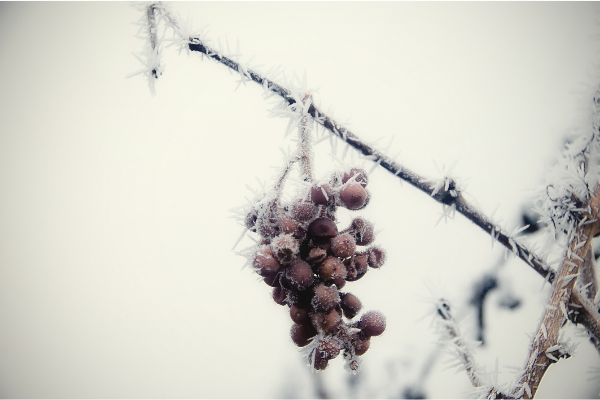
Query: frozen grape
[343, 245]
[353, 196]
[321, 194]
[359, 174]
[351, 305]
[302, 334]
[376, 257]
[372, 323]
[326, 322]
[285, 248]
[265, 263]
[362, 230]
[322, 227]
[299, 315]
[303, 210]
[279, 295]
[332, 268]
[299, 275]
[325, 298]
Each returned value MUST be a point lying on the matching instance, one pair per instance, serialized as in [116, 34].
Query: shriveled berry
[357, 267]
[332, 268]
[320, 363]
[322, 227]
[376, 257]
[325, 298]
[326, 322]
[353, 196]
[302, 334]
[351, 305]
[329, 349]
[372, 323]
[359, 174]
[279, 295]
[343, 245]
[272, 281]
[265, 263]
[360, 346]
[339, 282]
[362, 230]
[299, 275]
[299, 315]
[316, 255]
[303, 210]
[250, 221]
[321, 194]
[285, 248]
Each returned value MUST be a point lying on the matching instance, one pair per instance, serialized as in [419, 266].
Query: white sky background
[117, 277]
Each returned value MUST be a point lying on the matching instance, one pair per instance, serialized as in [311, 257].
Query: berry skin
[360, 346]
[325, 298]
[329, 349]
[343, 245]
[331, 269]
[359, 174]
[362, 231]
[302, 334]
[303, 210]
[353, 196]
[351, 305]
[326, 322]
[279, 296]
[372, 323]
[285, 248]
[299, 275]
[322, 228]
[299, 315]
[376, 257]
[288, 225]
[265, 263]
[316, 255]
[317, 196]
[356, 266]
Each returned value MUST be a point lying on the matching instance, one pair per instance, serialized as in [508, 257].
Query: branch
[448, 195]
[545, 348]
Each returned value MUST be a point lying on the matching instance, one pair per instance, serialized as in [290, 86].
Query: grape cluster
[308, 261]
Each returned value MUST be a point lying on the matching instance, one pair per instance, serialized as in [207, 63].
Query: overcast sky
[117, 275]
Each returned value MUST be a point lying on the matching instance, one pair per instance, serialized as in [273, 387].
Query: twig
[305, 141]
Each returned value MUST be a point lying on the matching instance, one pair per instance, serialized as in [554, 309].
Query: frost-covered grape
[320, 362]
[329, 349]
[303, 210]
[265, 263]
[362, 230]
[325, 298]
[318, 197]
[376, 257]
[299, 275]
[351, 305]
[326, 322]
[340, 282]
[360, 346]
[302, 334]
[332, 268]
[353, 196]
[359, 174]
[250, 221]
[299, 315]
[372, 323]
[322, 227]
[357, 267]
[316, 255]
[289, 225]
[279, 295]
[343, 245]
[285, 248]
